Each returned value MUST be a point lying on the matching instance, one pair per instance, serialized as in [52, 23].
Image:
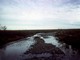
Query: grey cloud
[69, 3]
[74, 2]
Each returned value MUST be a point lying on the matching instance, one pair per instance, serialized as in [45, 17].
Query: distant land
[69, 36]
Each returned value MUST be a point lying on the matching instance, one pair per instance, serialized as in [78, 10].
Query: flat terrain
[60, 44]
[14, 35]
[69, 36]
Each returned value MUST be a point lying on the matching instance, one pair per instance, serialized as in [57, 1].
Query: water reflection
[15, 50]
[52, 40]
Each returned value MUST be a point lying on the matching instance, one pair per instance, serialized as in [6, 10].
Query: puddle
[15, 50]
[52, 40]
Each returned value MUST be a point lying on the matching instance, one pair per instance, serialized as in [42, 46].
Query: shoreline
[68, 36]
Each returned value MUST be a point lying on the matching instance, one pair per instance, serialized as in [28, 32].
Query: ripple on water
[16, 49]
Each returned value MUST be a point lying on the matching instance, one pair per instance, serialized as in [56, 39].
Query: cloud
[57, 13]
[74, 2]
[40, 3]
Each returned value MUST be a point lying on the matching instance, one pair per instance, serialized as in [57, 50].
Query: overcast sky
[40, 14]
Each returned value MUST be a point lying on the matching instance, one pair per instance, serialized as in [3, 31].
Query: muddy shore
[45, 51]
[69, 36]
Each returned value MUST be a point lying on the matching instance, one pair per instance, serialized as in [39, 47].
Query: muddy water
[52, 40]
[15, 50]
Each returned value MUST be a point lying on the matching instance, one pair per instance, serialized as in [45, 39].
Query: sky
[40, 14]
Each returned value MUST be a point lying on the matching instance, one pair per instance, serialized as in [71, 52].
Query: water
[52, 40]
[15, 50]
[49, 39]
